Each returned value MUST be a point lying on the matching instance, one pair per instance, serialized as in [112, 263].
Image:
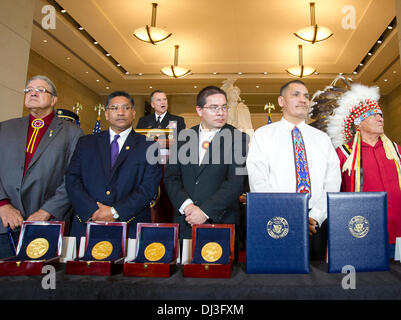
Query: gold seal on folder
[211, 252]
[102, 250]
[37, 248]
[155, 251]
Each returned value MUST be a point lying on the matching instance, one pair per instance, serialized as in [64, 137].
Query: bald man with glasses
[35, 153]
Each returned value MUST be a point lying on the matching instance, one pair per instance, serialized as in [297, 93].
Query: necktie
[303, 184]
[114, 150]
[158, 122]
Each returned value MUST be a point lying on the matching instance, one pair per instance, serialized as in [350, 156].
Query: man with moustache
[161, 119]
[110, 177]
[35, 153]
[271, 161]
[206, 188]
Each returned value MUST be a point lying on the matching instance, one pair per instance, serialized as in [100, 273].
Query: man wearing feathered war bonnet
[369, 161]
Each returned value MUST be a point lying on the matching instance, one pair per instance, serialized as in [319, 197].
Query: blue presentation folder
[277, 236]
[357, 231]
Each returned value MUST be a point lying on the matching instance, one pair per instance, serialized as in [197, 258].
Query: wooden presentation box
[163, 136]
[212, 251]
[156, 250]
[105, 250]
[39, 244]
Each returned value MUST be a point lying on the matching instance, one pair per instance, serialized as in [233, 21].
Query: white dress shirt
[204, 136]
[161, 116]
[271, 166]
[121, 139]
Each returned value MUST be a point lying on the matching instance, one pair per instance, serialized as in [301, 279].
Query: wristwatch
[114, 213]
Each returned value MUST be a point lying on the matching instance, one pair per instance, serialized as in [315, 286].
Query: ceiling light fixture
[174, 70]
[314, 33]
[152, 34]
[301, 71]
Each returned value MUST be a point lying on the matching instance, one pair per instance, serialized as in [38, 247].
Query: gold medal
[37, 248]
[102, 250]
[155, 251]
[211, 252]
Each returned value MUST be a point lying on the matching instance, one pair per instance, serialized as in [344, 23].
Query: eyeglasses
[115, 107]
[38, 90]
[215, 109]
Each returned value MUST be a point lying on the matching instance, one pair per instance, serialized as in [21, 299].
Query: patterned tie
[303, 184]
[114, 150]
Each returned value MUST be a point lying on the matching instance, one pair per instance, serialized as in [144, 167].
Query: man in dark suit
[205, 173]
[35, 152]
[110, 177]
[160, 119]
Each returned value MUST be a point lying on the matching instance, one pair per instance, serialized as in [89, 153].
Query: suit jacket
[215, 185]
[43, 185]
[129, 186]
[149, 122]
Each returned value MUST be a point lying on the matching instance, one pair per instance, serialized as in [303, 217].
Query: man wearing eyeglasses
[204, 179]
[35, 152]
[110, 178]
[161, 118]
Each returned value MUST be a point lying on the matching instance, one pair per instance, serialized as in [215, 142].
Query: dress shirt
[271, 165]
[160, 115]
[121, 139]
[204, 136]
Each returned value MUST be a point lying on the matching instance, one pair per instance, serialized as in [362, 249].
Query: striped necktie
[303, 184]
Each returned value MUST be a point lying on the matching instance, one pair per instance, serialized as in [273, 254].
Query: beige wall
[391, 105]
[16, 18]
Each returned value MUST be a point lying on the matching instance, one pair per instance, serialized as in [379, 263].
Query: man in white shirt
[271, 163]
[109, 177]
[203, 177]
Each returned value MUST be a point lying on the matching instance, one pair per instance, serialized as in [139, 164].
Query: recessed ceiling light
[107, 88]
[214, 72]
[240, 72]
[86, 72]
[257, 87]
[361, 64]
[107, 54]
[95, 42]
[97, 80]
[265, 72]
[140, 73]
[63, 11]
[370, 53]
[394, 71]
[81, 28]
[44, 40]
[389, 27]
[195, 87]
[150, 87]
[385, 80]
[118, 65]
[355, 72]
[379, 41]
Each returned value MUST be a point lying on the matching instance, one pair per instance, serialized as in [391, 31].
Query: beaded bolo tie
[36, 124]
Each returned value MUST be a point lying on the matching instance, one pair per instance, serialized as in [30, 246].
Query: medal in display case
[39, 244]
[156, 250]
[212, 251]
[105, 250]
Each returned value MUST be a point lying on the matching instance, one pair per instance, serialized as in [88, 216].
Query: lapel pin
[127, 148]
